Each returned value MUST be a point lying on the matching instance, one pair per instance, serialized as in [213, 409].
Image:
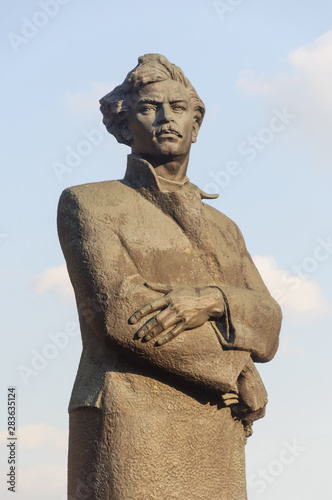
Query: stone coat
[116, 236]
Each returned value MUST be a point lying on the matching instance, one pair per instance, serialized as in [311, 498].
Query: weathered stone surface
[173, 313]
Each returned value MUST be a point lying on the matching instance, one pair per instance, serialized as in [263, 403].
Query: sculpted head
[155, 110]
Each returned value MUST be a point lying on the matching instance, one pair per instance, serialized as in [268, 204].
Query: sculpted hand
[181, 307]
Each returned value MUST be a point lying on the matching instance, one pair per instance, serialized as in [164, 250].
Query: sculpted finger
[156, 305]
[230, 398]
[163, 322]
[158, 287]
[147, 327]
[180, 327]
[152, 323]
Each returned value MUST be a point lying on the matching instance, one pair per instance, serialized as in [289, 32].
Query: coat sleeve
[109, 289]
[253, 316]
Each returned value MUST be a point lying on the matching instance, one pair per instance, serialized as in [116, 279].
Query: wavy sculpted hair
[151, 68]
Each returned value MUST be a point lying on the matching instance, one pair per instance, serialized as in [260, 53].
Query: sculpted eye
[147, 108]
[178, 107]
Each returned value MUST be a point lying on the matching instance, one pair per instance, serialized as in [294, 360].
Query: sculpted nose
[165, 113]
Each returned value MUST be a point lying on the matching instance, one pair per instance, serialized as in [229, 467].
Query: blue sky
[264, 72]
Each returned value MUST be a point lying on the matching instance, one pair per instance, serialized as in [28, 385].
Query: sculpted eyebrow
[153, 101]
[179, 101]
[148, 100]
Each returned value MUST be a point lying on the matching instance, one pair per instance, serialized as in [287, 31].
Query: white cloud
[43, 478]
[39, 446]
[306, 91]
[295, 293]
[56, 280]
[39, 436]
[43, 435]
[87, 102]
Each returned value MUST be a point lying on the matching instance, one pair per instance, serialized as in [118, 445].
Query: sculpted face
[161, 121]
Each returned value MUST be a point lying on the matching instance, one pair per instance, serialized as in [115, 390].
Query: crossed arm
[249, 312]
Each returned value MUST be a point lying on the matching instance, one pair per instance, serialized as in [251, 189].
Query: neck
[171, 169]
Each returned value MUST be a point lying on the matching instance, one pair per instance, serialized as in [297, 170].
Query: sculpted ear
[125, 131]
[194, 133]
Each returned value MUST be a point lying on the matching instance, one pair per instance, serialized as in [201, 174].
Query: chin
[169, 148]
[169, 152]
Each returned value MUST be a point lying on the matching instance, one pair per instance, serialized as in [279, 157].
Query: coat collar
[140, 173]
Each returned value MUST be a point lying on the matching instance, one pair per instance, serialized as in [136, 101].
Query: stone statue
[173, 312]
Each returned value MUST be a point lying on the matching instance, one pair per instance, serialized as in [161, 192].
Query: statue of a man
[173, 312]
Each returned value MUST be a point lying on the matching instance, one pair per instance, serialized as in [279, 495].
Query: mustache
[170, 128]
